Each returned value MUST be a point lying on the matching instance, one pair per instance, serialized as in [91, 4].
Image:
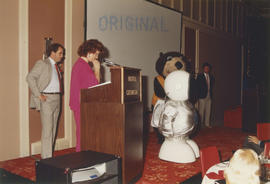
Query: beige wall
[9, 54]
[46, 19]
[9, 70]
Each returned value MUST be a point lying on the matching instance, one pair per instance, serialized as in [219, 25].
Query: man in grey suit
[44, 81]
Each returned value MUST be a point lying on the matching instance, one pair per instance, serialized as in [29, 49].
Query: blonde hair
[244, 168]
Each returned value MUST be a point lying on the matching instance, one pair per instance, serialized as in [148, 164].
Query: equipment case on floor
[75, 167]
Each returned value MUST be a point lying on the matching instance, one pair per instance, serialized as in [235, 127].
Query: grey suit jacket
[38, 79]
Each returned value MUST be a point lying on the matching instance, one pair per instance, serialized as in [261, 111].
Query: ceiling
[261, 7]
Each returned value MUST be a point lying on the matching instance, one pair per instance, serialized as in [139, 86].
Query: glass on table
[264, 159]
[265, 172]
[265, 167]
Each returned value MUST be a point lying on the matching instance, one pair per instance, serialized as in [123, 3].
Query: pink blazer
[82, 76]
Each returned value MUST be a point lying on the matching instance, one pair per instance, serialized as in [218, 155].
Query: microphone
[109, 62]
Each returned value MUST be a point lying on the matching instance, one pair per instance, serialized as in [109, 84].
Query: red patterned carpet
[155, 171]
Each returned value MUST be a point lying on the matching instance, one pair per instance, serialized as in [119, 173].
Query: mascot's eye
[173, 119]
[169, 58]
[178, 65]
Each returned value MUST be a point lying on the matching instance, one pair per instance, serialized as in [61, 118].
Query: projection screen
[134, 32]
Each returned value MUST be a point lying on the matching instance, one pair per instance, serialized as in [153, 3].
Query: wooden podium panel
[102, 127]
[114, 124]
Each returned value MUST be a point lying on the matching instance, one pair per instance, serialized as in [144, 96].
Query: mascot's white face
[176, 85]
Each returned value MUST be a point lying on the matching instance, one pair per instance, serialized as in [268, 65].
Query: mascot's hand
[158, 109]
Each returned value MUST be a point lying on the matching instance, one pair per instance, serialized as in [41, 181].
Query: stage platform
[155, 170]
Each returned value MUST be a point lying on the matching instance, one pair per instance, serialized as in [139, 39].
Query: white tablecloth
[215, 168]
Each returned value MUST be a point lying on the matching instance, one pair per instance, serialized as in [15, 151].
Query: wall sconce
[48, 42]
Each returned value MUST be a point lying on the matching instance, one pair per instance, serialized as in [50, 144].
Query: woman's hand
[96, 67]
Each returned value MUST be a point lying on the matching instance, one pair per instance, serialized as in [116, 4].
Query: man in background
[205, 83]
[44, 81]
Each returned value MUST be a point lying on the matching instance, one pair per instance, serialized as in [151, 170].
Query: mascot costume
[175, 118]
[166, 63]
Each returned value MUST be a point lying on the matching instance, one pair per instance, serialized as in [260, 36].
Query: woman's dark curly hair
[90, 46]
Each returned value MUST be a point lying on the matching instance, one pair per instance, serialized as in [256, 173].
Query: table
[215, 173]
[265, 168]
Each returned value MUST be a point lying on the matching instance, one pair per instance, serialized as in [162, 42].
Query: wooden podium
[112, 120]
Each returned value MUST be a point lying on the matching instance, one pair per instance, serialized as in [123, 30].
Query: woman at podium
[85, 73]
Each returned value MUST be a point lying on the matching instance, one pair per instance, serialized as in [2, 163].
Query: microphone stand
[109, 62]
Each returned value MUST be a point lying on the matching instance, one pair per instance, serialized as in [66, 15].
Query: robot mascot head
[175, 119]
[177, 112]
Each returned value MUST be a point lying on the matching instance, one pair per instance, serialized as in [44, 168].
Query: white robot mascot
[175, 119]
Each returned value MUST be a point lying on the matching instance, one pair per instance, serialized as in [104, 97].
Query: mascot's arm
[158, 89]
[158, 109]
